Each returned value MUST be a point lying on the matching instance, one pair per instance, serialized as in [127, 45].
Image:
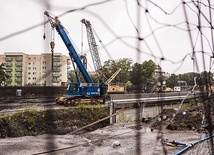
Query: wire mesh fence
[152, 37]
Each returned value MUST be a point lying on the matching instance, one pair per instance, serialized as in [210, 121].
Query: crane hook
[44, 36]
[52, 45]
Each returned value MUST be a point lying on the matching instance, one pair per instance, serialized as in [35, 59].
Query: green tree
[95, 78]
[172, 81]
[206, 78]
[125, 65]
[136, 74]
[110, 67]
[3, 75]
[72, 77]
[143, 73]
[188, 77]
[148, 71]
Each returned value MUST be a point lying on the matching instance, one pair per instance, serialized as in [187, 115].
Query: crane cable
[44, 36]
[102, 44]
[52, 45]
[113, 61]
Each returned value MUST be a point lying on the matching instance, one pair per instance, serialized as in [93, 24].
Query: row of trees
[136, 74]
[188, 79]
[144, 73]
[140, 74]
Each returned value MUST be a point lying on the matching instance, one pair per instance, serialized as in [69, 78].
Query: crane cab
[86, 89]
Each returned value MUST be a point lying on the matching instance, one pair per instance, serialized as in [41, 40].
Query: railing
[18, 69]
[19, 59]
[18, 64]
[8, 59]
[8, 64]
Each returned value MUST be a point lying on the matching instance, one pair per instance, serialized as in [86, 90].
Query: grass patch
[30, 122]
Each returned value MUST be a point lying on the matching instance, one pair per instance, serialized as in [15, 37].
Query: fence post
[112, 111]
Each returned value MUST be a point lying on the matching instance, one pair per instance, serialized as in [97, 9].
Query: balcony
[55, 81]
[9, 80]
[18, 69]
[18, 74]
[18, 80]
[56, 59]
[19, 84]
[8, 64]
[56, 64]
[56, 75]
[68, 63]
[56, 69]
[8, 69]
[68, 76]
[18, 64]
[19, 59]
[8, 59]
[8, 84]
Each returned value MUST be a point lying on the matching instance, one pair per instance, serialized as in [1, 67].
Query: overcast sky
[161, 25]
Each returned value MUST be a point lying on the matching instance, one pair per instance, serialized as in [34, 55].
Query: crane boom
[112, 88]
[55, 23]
[93, 48]
[113, 76]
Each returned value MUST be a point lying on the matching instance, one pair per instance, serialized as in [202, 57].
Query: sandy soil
[117, 139]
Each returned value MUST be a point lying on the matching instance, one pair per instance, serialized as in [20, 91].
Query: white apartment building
[32, 69]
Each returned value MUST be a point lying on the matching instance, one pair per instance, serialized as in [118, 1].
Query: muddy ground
[48, 132]
[117, 139]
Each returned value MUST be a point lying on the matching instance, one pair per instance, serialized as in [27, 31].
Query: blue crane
[77, 90]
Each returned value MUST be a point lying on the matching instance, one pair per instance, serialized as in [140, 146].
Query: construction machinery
[112, 87]
[78, 91]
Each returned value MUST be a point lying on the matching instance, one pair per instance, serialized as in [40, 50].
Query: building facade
[40, 70]
[160, 73]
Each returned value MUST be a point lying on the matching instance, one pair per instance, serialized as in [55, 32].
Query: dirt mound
[61, 121]
[183, 120]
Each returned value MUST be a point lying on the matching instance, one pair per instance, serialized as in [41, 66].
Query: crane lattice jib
[72, 52]
[93, 47]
